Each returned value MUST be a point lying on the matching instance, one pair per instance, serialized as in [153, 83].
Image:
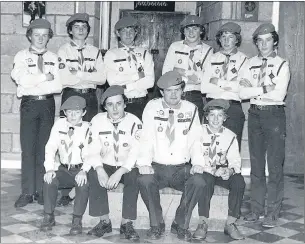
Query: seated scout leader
[223, 167]
[170, 138]
[69, 137]
[189, 57]
[113, 153]
[36, 74]
[130, 66]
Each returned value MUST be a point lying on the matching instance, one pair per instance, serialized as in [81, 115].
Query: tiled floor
[22, 225]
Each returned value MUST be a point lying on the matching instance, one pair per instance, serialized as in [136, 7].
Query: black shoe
[101, 228]
[64, 201]
[162, 228]
[253, 217]
[77, 226]
[174, 228]
[200, 232]
[129, 232]
[154, 233]
[23, 200]
[48, 222]
[184, 234]
[232, 231]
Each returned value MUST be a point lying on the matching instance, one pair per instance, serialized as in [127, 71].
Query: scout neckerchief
[225, 65]
[212, 149]
[262, 71]
[115, 135]
[40, 62]
[81, 58]
[69, 146]
[170, 129]
[191, 63]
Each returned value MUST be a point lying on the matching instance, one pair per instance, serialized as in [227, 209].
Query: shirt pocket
[181, 61]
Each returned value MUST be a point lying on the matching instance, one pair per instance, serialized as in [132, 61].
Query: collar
[117, 120]
[165, 105]
[234, 51]
[210, 132]
[36, 51]
[73, 44]
[271, 55]
[193, 48]
[122, 45]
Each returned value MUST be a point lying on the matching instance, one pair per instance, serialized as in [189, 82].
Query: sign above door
[166, 6]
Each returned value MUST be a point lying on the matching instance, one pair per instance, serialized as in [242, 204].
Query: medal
[160, 129]
[255, 76]
[121, 69]
[179, 61]
[217, 71]
[161, 112]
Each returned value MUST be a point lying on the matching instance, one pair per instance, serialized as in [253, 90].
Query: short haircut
[70, 26]
[206, 113]
[30, 31]
[84, 109]
[219, 34]
[182, 86]
[202, 30]
[275, 37]
[124, 98]
[136, 28]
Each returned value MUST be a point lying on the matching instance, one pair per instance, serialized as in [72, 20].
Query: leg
[91, 105]
[136, 108]
[197, 99]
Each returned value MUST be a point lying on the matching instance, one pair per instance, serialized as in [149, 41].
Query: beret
[264, 29]
[217, 103]
[230, 27]
[39, 23]
[74, 102]
[191, 20]
[78, 16]
[170, 78]
[112, 91]
[126, 22]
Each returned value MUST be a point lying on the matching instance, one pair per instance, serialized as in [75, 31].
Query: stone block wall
[13, 40]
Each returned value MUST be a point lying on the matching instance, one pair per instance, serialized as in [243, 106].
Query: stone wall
[13, 40]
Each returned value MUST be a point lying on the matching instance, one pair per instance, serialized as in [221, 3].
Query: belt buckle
[41, 97]
[260, 107]
[85, 90]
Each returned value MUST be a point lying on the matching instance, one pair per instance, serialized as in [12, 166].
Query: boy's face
[74, 116]
[265, 44]
[39, 38]
[115, 107]
[228, 41]
[192, 33]
[79, 31]
[127, 35]
[172, 95]
[215, 118]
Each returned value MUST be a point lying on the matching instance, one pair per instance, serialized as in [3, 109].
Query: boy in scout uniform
[130, 67]
[35, 72]
[221, 79]
[170, 138]
[81, 69]
[265, 84]
[189, 57]
[113, 153]
[222, 167]
[69, 136]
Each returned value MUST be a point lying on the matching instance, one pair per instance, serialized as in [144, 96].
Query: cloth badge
[139, 126]
[62, 142]
[160, 129]
[255, 76]
[217, 71]
[179, 61]
[72, 69]
[137, 134]
[198, 64]
[106, 143]
[140, 69]
[121, 69]
[138, 54]
[185, 131]
[217, 143]
[188, 115]
[206, 153]
[62, 65]
[234, 70]
[59, 59]
[271, 76]
[161, 112]
[29, 61]
[180, 115]
[125, 144]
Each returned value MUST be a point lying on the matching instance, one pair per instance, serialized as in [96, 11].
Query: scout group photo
[152, 122]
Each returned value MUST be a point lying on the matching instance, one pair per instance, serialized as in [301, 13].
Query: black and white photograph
[152, 122]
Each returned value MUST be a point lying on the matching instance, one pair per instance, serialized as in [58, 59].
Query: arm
[170, 60]
[22, 75]
[232, 86]
[148, 80]
[233, 157]
[51, 149]
[206, 85]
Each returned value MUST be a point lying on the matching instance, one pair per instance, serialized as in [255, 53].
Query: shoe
[48, 222]
[23, 200]
[232, 231]
[162, 228]
[253, 217]
[77, 226]
[64, 201]
[154, 233]
[174, 228]
[184, 234]
[270, 221]
[201, 231]
[129, 231]
[101, 228]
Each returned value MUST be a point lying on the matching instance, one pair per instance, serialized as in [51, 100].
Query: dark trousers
[91, 102]
[98, 197]
[196, 98]
[36, 121]
[136, 108]
[235, 121]
[236, 186]
[177, 177]
[65, 179]
[267, 132]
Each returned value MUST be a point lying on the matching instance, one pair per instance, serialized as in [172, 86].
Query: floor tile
[284, 232]
[26, 217]
[56, 239]
[290, 216]
[298, 237]
[37, 235]
[5, 232]
[265, 237]
[19, 228]
[14, 239]
[294, 226]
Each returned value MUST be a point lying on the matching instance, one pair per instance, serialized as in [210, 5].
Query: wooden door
[158, 31]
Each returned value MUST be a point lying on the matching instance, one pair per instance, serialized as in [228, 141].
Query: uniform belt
[85, 90]
[72, 166]
[137, 100]
[230, 101]
[265, 107]
[41, 97]
[192, 92]
[154, 163]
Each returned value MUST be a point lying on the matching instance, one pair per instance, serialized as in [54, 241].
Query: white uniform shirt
[226, 149]
[59, 140]
[214, 69]
[92, 71]
[101, 149]
[29, 79]
[155, 145]
[277, 72]
[178, 57]
[122, 72]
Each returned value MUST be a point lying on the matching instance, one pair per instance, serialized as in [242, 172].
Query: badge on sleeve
[234, 70]
[137, 134]
[271, 75]
[255, 76]
[217, 71]
[139, 126]
[121, 69]
[160, 129]
[179, 61]
[62, 66]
